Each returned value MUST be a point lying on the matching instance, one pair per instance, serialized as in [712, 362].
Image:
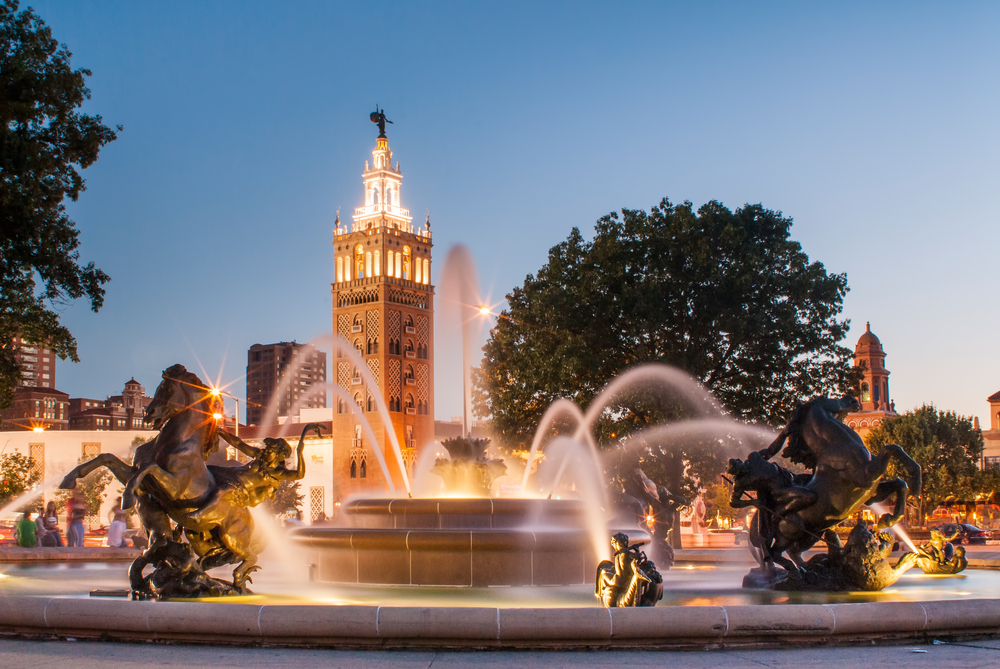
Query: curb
[457, 627]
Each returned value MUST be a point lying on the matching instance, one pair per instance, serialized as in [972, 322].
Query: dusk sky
[874, 126]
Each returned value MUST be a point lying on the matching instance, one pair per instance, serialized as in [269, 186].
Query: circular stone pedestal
[457, 542]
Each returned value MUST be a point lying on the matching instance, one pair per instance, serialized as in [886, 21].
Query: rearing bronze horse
[169, 480]
[795, 511]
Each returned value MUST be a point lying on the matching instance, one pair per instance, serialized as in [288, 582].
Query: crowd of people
[44, 530]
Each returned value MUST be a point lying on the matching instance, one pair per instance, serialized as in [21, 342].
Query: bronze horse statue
[794, 511]
[169, 480]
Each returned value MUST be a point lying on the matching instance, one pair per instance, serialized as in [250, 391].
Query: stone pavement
[97, 655]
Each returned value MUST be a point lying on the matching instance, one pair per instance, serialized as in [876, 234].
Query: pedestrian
[50, 535]
[24, 531]
[76, 511]
[117, 529]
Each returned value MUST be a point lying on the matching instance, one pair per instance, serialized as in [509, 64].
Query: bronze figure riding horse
[796, 510]
[169, 480]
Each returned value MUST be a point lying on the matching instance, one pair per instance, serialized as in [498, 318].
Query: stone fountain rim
[338, 626]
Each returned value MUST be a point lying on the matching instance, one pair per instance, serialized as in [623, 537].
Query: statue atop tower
[378, 117]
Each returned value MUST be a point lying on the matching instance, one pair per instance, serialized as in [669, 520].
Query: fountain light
[38, 429]
[484, 310]
[217, 416]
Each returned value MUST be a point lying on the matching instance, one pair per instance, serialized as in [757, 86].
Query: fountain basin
[456, 542]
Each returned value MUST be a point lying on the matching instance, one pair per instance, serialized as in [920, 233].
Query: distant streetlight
[217, 392]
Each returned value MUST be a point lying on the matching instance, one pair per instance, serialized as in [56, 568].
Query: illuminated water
[684, 585]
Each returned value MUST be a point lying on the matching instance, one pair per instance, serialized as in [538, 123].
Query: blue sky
[872, 125]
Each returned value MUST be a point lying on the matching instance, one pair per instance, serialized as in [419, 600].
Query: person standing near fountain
[76, 510]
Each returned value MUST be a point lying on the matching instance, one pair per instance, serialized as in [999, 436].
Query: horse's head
[181, 391]
[838, 405]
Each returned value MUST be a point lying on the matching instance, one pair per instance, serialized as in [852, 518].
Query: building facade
[118, 412]
[383, 322]
[991, 437]
[38, 364]
[288, 373]
[874, 396]
[36, 409]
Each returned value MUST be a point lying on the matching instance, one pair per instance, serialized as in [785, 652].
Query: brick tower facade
[383, 306]
[874, 396]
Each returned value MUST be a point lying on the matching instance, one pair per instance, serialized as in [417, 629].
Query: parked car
[967, 534]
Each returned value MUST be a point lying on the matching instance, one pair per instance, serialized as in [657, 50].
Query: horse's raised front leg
[121, 470]
[878, 465]
[169, 482]
[884, 491]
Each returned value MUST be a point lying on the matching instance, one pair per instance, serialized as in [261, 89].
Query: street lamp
[217, 392]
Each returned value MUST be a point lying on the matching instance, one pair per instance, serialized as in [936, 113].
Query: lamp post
[217, 392]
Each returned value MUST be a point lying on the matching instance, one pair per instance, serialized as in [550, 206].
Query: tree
[44, 141]
[946, 446]
[286, 498]
[17, 475]
[725, 296]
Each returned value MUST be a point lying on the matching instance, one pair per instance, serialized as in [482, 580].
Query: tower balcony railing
[382, 278]
[380, 208]
[424, 234]
[409, 381]
[411, 411]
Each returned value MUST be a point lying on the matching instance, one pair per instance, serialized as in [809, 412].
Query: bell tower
[383, 305]
[874, 391]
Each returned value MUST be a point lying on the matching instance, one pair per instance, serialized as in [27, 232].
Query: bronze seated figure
[629, 579]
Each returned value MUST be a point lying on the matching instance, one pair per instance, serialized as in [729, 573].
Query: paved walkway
[96, 655]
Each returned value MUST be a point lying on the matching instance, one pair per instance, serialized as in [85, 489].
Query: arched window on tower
[357, 347]
[406, 263]
[359, 262]
[354, 469]
[410, 407]
[340, 270]
[359, 401]
[427, 271]
[417, 270]
[408, 351]
[866, 395]
[875, 392]
[347, 268]
[389, 268]
[378, 263]
[399, 265]
[368, 264]
[364, 466]
[340, 404]
[372, 345]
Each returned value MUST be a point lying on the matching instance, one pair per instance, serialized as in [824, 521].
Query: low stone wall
[83, 554]
[451, 627]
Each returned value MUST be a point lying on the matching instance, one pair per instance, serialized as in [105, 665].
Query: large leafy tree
[45, 140]
[947, 447]
[726, 296]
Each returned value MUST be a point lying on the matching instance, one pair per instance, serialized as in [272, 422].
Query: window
[359, 262]
[347, 268]
[427, 271]
[866, 395]
[378, 263]
[354, 463]
[358, 401]
[316, 502]
[399, 265]
[406, 263]
[389, 269]
[368, 264]
[340, 269]
[417, 270]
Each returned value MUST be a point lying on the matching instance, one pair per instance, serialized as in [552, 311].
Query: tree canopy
[947, 447]
[45, 140]
[726, 296]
